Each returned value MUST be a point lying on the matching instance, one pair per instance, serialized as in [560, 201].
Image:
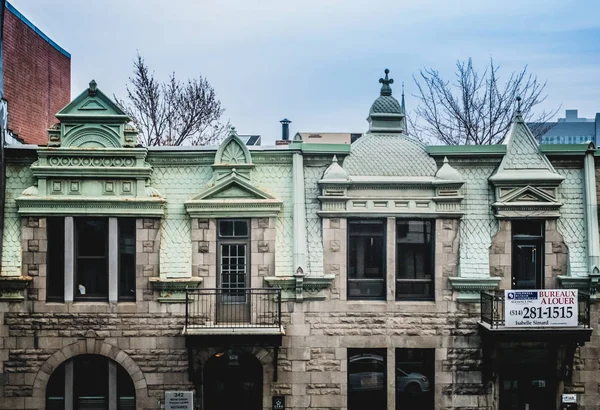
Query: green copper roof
[389, 155]
[386, 114]
[460, 150]
[386, 104]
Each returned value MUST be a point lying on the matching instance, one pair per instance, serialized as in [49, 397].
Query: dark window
[414, 260]
[415, 379]
[366, 259]
[91, 380]
[55, 287]
[127, 259]
[233, 228]
[91, 273]
[367, 377]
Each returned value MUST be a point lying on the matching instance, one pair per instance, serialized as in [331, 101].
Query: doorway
[528, 253]
[233, 380]
[233, 297]
[528, 379]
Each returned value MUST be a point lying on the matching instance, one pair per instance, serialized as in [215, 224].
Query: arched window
[90, 382]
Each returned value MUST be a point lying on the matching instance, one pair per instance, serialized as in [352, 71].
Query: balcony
[493, 325]
[239, 311]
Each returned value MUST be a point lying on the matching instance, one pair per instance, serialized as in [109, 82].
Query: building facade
[36, 73]
[300, 276]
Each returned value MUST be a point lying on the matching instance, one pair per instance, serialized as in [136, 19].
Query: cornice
[300, 287]
[12, 288]
[172, 290]
[213, 208]
[469, 289]
[114, 206]
[91, 172]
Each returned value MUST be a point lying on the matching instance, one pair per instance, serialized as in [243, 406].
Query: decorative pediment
[526, 202]
[232, 155]
[233, 196]
[92, 120]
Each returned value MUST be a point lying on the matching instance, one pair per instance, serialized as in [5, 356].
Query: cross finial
[518, 104]
[385, 88]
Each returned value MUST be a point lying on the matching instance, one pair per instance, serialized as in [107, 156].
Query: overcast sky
[317, 62]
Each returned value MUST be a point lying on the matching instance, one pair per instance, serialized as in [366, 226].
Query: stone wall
[313, 362]
[34, 243]
[147, 258]
[262, 250]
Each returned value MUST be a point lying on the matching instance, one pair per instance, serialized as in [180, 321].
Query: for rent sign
[540, 308]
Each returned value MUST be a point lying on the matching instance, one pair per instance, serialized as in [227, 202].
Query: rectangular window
[91, 260]
[415, 379]
[366, 259]
[55, 270]
[367, 379]
[414, 260]
[127, 259]
[233, 258]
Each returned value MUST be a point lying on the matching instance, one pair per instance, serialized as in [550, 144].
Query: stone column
[591, 212]
[390, 258]
[112, 384]
[299, 213]
[69, 258]
[113, 260]
[69, 379]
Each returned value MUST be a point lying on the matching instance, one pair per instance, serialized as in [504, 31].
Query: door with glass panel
[233, 296]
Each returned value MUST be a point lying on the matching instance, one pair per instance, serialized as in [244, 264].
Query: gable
[525, 194]
[92, 104]
[233, 196]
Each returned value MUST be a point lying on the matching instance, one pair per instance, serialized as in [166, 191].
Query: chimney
[285, 129]
[570, 115]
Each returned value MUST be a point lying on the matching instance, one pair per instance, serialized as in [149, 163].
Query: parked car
[367, 373]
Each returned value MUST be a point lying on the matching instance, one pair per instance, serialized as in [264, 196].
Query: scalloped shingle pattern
[571, 223]
[523, 152]
[386, 104]
[389, 155]
[478, 224]
[178, 184]
[314, 236]
[277, 180]
[18, 177]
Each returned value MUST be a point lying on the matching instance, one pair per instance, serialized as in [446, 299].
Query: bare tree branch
[476, 108]
[173, 113]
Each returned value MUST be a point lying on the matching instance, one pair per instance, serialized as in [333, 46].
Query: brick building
[36, 73]
[314, 276]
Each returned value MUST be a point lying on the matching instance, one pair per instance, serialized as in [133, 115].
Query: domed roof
[386, 104]
[389, 155]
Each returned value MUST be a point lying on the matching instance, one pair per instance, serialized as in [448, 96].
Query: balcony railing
[492, 309]
[241, 309]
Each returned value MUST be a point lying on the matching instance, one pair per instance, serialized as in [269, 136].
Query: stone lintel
[125, 206]
[469, 289]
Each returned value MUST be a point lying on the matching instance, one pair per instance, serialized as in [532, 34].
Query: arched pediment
[233, 151]
[92, 137]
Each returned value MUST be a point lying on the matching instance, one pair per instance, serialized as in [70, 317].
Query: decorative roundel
[75, 161]
[54, 161]
[129, 162]
[97, 162]
[118, 162]
[86, 161]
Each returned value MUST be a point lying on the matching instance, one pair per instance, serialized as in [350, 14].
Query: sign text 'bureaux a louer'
[540, 308]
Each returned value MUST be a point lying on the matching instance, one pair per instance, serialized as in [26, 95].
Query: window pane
[414, 259]
[127, 259]
[92, 259]
[90, 377]
[125, 390]
[366, 259]
[240, 228]
[226, 228]
[415, 379]
[367, 379]
[92, 235]
[55, 390]
[56, 259]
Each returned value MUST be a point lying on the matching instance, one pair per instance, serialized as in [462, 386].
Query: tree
[175, 112]
[476, 108]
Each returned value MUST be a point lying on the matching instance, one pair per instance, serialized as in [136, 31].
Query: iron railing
[492, 309]
[232, 308]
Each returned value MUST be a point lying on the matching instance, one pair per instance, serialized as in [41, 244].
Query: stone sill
[172, 290]
[12, 288]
